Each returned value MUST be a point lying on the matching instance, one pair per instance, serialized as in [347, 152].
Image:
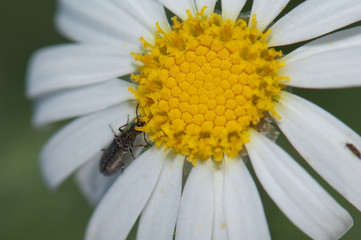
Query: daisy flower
[210, 85]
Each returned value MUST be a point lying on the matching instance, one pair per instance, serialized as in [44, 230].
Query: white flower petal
[296, 193]
[231, 9]
[159, 215]
[245, 218]
[180, 7]
[92, 183]
[219, 222]
[195, 217]
[148, 12]
[329, 62]
[209, 3]
[334, 69]
[314, 18]
[321, 139]
[80, 101]
[266, 11]
[93, 21]
[344, 39]
[73, 65]
[79, 141]
[119, 209]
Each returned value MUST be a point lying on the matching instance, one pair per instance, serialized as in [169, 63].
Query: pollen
[204, 84]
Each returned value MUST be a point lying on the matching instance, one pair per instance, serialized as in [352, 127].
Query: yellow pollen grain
[173, 102]
[205, 83]
[198, 119]
[228, 93]
[225, 73]
[192, 90]
[220, 110]
[187, 117]
[184, 86]
[202, 108]
[194, 99]
[210, 115]
[212, 104]
[190, 56]
[176, 91]
[180, 77]
[183, 107]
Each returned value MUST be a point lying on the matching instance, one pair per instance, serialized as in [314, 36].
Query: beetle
[112, 159]
[354, 150]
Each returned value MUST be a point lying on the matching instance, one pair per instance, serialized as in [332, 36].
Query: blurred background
[28, 210]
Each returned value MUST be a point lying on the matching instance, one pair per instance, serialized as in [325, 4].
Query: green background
[28, 210]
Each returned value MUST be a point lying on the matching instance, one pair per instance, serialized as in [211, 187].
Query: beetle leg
[120, 128]
[111, 127]
[136, 111]
[132, 153]
[148, 144]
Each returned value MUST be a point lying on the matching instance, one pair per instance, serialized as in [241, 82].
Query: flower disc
[204, 84]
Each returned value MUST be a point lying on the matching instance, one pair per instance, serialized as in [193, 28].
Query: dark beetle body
[112, 159]
[354, 150]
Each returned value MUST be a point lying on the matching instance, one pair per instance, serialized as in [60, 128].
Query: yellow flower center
[204, 84]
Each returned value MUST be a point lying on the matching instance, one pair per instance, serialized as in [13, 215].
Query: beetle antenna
[136, 112]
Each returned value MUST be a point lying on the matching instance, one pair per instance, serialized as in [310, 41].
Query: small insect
[112, 159]
[354, 150]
